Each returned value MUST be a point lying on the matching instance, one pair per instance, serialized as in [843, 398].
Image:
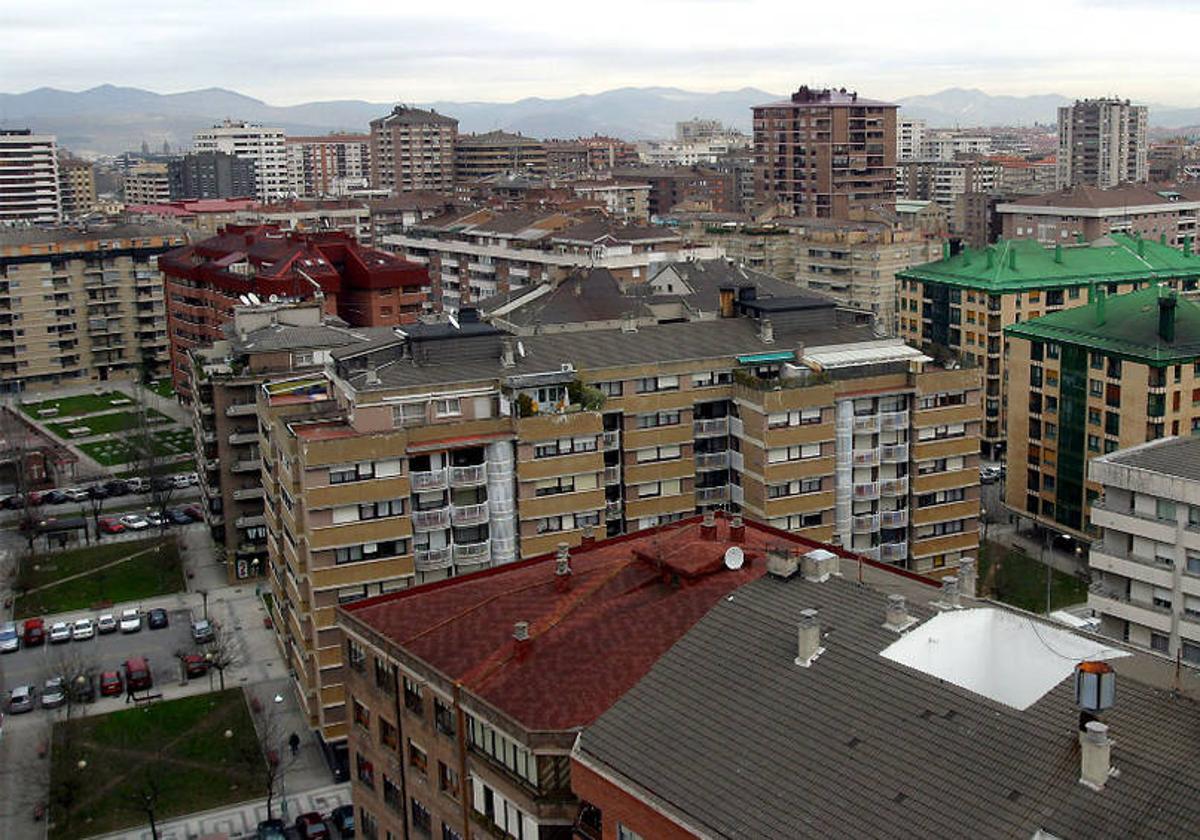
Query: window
[564, 446]
[389, 736]
[370, 825]
[356, 657]
[448, 408]
[391, 794]
[443, 717]
[346, 473]
[660, 418]
[1095, 387]
[504, 750]
[778, 454]
[408, 414]
[624, 833]
[1159, 642]
[1191, 653]
[412, 697]
[362, 715]
[385, 676]
[449, 833]
[381, 510]
[653, 489]
[365, 770]
[447, 780]
[1093, 443]
[657, 383]
[421, 819]
[609, 389]
[1094, 415]
[1164, 509]
[417, 758]
[659, 453]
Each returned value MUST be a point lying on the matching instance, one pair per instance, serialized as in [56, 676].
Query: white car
[131, 621]
[83, 630]
[60, 632]
[157, 519]
[106, 623]
[135, 522]
[9, 640]
[988, 475]
[76, 494]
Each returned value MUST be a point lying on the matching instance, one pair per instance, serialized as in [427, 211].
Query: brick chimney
[708, 526]
[737, 528]
[521, 639]
[589, 536]
[809, 639]
[562, 568]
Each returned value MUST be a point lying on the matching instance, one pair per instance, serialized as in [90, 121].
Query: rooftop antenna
[734, 558]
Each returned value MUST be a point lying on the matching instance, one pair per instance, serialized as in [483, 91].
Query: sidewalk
[241, 820]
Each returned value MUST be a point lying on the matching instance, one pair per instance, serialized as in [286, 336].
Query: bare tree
[78, 672]
[150, 461]
[144, 795]
[278, 749]
[224, 651]
[94, 506]
[19, 456]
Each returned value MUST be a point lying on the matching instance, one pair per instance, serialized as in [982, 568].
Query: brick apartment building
[77, 186]
[695, 187]
[1149, 211]
[497, 153]
[587, 156]
[824, 152]
[205, 281]
[413, 149]
[328, 164]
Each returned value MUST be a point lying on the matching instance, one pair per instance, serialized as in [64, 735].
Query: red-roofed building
[463, 697]
[204, 282]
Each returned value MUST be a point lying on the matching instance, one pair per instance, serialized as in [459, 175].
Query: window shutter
[477, 793]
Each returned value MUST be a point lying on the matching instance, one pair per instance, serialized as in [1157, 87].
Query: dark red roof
[629, 600]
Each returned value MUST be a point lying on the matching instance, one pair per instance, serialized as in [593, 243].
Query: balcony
[893, 552]
[240, 409]
[711, 461]
[867, 524]
[468, 514]
[894, 453]
[894, 519]
[248, 493]
[431, 520]
[470, 553]
[431, 559]
[612, 510]
[432, 480]
[471, 476]
[866, 458]
[712, 495]
[242, 438]
[867, 490]
[894, 421]
[612, 475]
[250, 521]
[894, 486]
[252, 465]
[867, 424]
[711, 428]
[612, 440]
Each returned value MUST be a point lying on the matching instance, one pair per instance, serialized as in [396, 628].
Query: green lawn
[74, 406]
[115, 451]
[153, 573]
[165, 388]
[186, 465]
[100, 424]
[1020, 580]
[177, 748]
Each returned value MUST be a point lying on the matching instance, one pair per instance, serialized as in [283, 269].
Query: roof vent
[508, 353]
[521, 631]
[562, 567]
[372, 376]
[737, 528]
[766, 331]
[809, 639]
[708, 526]
[949, 599]
[820, 565]
[781, 563]
[897, 617]
[966, 576]
[1095, 751]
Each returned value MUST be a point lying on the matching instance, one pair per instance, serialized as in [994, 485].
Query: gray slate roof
[729, 731]
[1179, 457]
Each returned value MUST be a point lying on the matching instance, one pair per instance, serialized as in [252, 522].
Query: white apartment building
[264, 146]
[29, 188]
[949, 144]
[1146, 565]
[691, 152]
[909, 135]
[328, 165]
[1102, 143]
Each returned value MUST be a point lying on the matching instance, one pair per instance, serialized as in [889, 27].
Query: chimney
[950, 593]
[1058, 252]
[508, 354]
[800, 348]
[1099, 306]
[708, 526]
[1166, 317]
[562, 568]
[781, 563]
[818, 565]
[726, 309]
[372, 376]
[766, 331]
[809, 639]
[521, 639]
[737, 528]
[966, 577]
[589, 535]
[1012, 258]
[897, 617]
[1095, 751]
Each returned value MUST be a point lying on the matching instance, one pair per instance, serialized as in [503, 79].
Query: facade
[29, 186]
[203, 217]
[768, 247]
[950, 184]
[962, 304]
[412, 149]
[910, 136]
[261, 145]
[588, 156]
[1102, 377]
[822, 153]
[624, 200]
[207, 280]
[1018, 176]
[82, 307]
[497, 153]
[77, 186]
[953, 144]
[1149, 211]
[689, 188]
[740, 165]
[1102, 143]
[691, 152]
[348, 216]
[328, 165]
[211, 175]
[1146, 561]
[147, 183]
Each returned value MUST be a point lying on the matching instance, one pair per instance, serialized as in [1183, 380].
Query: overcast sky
[290, 51]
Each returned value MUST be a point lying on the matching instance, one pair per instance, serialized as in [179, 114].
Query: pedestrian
[294, 743]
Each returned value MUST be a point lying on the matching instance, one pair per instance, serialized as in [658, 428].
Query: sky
[299, 51]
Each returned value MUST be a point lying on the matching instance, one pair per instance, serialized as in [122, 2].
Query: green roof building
[1114, 373]
[962, 303]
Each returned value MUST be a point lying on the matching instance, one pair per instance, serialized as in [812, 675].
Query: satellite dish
[245, 300]
[453, 321]
[274, 298]
[521, 348]
[254, 299]
[734, 558]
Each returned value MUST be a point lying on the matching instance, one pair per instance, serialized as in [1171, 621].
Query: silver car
[60, 632]
[20, 699]
[53, 694]
[9, 639]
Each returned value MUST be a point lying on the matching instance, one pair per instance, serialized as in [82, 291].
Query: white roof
[863, 353]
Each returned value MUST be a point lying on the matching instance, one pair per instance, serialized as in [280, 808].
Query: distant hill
[962, 107]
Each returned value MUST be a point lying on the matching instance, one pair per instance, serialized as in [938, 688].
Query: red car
[34, 632]
[310, 826]
[109, 525]
[195, 665]
[111, 684]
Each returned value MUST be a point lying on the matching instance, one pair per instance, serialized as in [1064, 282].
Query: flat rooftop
[1174, 456]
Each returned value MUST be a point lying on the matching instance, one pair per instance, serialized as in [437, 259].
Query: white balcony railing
[867, 490]
[469, 514]
[612, 510]
[612, 475]
[712, 460]
[612, 440]
[240, 409]
[431, 559]
[866, 458]
[432, 480]
[894, 421]
[894, 519]
[431, 520]
[469, 553]
[712, 495]
[469, 476]
[708, 428]
[894, 453]
[894, 486]
[866, 524]
[893, 552]
[867, 424]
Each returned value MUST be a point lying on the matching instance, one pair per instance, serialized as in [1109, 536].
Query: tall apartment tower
[264, 146]
[413, 149]
[910, 138]
[210, 175]
[823, 153]
[29, 189]
[1102, 143]
[77, 186]
[328, 165]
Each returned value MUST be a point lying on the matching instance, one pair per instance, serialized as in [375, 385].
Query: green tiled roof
[1015, 265]
[1129, 330]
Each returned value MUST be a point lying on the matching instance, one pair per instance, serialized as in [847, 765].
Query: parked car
[988, 475]
[34, 632]
[53, 694]
[97, 491]
[110, 525]
[310, 826]
[156, 619]
[37, 497]
[178, 516]
[9, 640]
[83, 630]
[195, 512]
[116, 487]
[135, 522]
[54, 497]
[1066, 543]
[271, 830]
[161, 482]
[156, 519]
[194, 665]
[106, 624]
[180, 481]
[14, 502]
[342, 818]
[21, 699]
[137, 674]
[60, 632]
[137, 485]
[75, 494]
[131, 621]
[202, 631]
[111, 684]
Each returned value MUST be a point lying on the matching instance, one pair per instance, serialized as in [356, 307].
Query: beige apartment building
[77, 186]
[78, 307]
[479, 156]
[1149, 211]
[446, 450]
[413, 149]
[148, 183]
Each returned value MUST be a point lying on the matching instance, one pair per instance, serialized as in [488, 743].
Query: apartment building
[205, 281]
[822, 153]
[948, 183]
[77, 186]
[211, 175]
[689, 188]
[147, 183]
[1102, 143]
[691, 152]
[962, 304]
[1145, 563]
[767, 246]
[78, 307]
[271, 339]
[413, 149]
[344, 215]
[953, 144]
[1107, 376]
[588, 156]
[475, 254]
[328, 164]
[29, 187]
[624, 200]
[740, 166]
[202, 218]
[261, 145]
[1019, 176]
[1149, 211]
[497, 153]
[455, 739]
[910, 134]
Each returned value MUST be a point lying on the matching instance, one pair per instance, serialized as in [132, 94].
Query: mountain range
[110, 119]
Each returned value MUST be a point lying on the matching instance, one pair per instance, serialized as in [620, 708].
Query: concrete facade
[29, 187]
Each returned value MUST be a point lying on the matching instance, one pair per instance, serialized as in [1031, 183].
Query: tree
[224, 651]
[144, 795]
[20, 455]
[94, 506]
[78, 672]
[279, 751]
[151, 462]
